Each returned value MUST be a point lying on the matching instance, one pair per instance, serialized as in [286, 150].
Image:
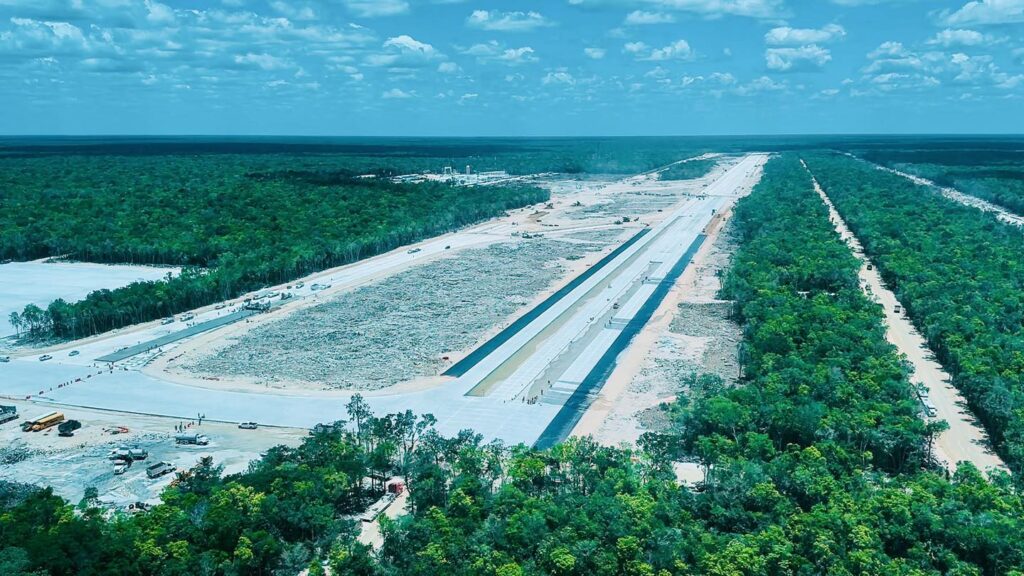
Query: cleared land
[400, 328]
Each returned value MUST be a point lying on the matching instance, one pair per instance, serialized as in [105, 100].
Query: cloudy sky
[510, 67]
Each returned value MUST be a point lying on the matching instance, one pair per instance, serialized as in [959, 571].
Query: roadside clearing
[955, 195]
[964, 440]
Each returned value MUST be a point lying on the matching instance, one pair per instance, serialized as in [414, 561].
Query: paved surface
[474, 357]
[161, 341]
[966, 439]
[582, 396]
[583, 313]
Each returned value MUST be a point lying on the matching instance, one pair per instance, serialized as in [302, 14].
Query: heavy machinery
[67, 429]
[43, 422]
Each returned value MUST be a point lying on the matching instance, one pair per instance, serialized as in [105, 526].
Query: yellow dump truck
[43, 422]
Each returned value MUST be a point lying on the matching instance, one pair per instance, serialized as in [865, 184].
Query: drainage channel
[571, 412]
[485, 349]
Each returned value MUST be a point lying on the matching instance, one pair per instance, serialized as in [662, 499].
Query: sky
[511, 68]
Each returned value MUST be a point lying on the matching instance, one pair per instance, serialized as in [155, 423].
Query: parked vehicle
[186, 317]
[415, 250]
[67, 428]
[220, 306]
[929, 409]
[159, 469]
[299, 285]
[272, 294]
[125, 453]
[121, 466]
[43, 422]
[898, 309]
[194, 439]
[248, 426]
[73, 353]
[167, 321]
[45, 357]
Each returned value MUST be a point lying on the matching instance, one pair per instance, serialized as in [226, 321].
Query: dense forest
[235, 223]
[815, 464]
[995, 176]
[959, 273]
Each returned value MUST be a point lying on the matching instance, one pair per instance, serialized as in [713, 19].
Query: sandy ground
[370, 534]
[70, 465]
[648, 373]
[965, 440]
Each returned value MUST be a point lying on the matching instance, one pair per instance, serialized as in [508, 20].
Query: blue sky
[502, 67]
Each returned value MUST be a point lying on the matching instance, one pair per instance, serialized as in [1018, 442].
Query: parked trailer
[8, 414]
[43, 422]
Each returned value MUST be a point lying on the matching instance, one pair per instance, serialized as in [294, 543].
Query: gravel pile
[397, 329]
[711, 321]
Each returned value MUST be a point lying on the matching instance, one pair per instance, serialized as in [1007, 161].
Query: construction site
[575, 316]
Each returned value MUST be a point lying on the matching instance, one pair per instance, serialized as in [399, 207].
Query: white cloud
[706, 8]
[678, 50]
[447, 67]
[986, 12]
[595, 53]
[559, 77]
[404, 51]
[960, 37]
[494, 20]
[262, 61]
[396, 94]
[786, 36]
[377, 8]
[496, 52]
[643, 17]
[811, 56]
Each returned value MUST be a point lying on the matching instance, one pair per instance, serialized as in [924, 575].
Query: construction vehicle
[258, 306]
[121, 466]
[159, 469]
[192, 438]
[67, 429]
[8, 414]
[43, 422]
[130, 454]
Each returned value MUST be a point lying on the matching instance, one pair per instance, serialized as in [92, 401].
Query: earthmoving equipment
[43, 422]
[67, 429]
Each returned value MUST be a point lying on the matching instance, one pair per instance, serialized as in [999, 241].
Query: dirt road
[965, 440]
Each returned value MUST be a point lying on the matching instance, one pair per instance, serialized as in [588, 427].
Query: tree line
[231, 232]
[960, 275]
